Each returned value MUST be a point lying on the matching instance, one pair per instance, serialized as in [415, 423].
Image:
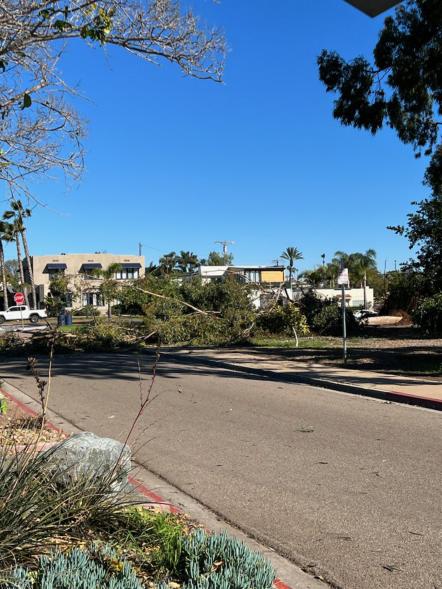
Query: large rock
[86, 455]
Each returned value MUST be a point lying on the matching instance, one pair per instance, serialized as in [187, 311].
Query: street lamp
[373, 7]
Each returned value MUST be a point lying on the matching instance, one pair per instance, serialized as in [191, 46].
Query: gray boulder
[86, 455]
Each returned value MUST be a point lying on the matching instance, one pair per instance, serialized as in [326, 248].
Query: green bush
[405, 289]
[218, 561]
[329, 320]
[310, 305]
[36, 509]
[428, 315]
[90, 568]
[283, 320]
[87, 311]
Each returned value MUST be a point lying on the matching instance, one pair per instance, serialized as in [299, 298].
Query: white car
[22, 312]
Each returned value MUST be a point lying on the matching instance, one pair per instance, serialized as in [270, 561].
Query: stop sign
[19, 298]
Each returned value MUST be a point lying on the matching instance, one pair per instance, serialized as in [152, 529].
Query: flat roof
[373, 7]
[254, 267]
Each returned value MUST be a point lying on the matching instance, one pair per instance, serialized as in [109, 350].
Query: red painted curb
[30, 411]
[154, 497]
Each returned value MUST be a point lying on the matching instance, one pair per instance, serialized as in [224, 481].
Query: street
[346, 487]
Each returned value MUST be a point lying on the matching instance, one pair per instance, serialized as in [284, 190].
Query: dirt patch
[18, 428]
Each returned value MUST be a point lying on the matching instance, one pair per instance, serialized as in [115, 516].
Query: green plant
[136, 528]
[329, 320]
[218, 561]
[36, 509]
[86, 311]
[428, 315]
[310, 305]
[283, 320]
[97, 566]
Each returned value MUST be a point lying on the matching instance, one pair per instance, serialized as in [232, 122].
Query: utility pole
[225, 243]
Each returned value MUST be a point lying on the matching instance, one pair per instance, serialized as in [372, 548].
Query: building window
[93, 299]
[252, 275]
[127, 274]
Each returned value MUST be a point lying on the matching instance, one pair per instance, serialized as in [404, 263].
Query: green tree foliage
[405, 289]
[59, 295]
[401, 87]
[283, 320]
[187, 261]
[424, 232]
[428, 315]
[328, 321]
[167, 263]
[292, 255]
[226, 311]
[361, 266]
[324, 315]
[217, 259]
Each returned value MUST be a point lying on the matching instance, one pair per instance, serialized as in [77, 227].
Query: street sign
[19, 298]
[343, 277]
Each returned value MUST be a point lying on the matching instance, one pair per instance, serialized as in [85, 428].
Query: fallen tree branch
[177, 301]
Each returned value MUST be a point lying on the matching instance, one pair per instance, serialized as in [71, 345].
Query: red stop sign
[19, 298]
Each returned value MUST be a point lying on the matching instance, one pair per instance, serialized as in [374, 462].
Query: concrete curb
[382, 395]
[146, 481]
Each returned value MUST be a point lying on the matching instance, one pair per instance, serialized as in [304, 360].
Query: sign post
[19, 299]
[343, 282]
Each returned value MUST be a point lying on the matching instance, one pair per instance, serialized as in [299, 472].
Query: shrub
[283, 320]
[329, 320]
[103, 335]
[310, 305]
[428, 315]
[220, 561]
[87, 311]
[35, 509]
[88, 568]
[405, 289]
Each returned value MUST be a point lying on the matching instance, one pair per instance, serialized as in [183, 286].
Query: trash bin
[68, 318]
[61, 319]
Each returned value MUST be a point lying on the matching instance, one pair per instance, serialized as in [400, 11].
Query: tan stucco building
[82, 272]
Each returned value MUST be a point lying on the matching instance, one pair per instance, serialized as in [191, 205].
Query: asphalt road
[347, 487]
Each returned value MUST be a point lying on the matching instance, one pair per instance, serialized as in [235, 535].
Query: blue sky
[178, 163]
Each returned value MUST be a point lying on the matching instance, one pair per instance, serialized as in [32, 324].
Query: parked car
[22, 312]
[365, 314]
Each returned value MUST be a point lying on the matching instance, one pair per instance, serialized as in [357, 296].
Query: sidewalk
[402, 389]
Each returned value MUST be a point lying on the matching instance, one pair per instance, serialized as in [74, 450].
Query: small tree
[217, 259]
[109, 287]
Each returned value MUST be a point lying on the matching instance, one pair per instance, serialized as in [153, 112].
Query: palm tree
[5, 231]
[168, 262]
[187, 261]
[12, 233]
[18, 213]
[292, 254]
[361, 263]
[109, 286]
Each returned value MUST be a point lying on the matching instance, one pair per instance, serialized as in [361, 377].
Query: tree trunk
[20, 267]
[4, 281]
[31, 273]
